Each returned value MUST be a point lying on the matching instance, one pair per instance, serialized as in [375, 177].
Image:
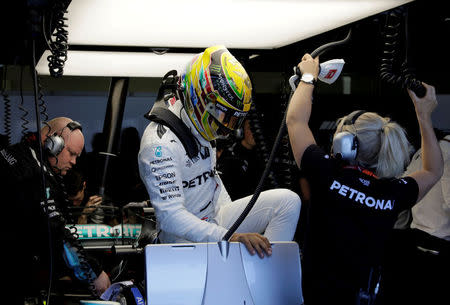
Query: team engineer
[355, 193]
[38, 241]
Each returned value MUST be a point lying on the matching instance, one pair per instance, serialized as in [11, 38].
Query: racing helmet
[217, 92]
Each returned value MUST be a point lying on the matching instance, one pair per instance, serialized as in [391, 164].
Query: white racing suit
[191, 203]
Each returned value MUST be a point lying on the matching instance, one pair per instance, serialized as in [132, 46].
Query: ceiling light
[248, 24]
[117, 64]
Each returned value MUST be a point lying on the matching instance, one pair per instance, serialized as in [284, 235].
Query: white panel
[175, 274]
[252, 24]
[282, 268]
[120, 64]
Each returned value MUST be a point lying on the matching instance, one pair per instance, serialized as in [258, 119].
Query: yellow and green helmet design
[217, 91]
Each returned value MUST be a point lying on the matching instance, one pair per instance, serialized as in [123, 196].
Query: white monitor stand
[222, 274]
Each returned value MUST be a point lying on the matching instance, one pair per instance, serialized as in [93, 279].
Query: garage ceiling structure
[126, 38]
[131, 33]
[143, 39]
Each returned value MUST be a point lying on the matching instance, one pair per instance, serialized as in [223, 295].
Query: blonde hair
[383, 145]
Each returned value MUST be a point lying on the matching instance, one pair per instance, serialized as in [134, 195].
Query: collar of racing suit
[178, 109]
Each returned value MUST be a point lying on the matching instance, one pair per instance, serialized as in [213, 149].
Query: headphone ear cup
[53, 145]
[345, 146]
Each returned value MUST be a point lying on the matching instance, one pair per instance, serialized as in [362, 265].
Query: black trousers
[416, 270]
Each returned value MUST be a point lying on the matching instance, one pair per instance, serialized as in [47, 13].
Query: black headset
[345, 144]
[54, 144]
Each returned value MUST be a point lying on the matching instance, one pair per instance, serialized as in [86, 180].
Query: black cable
[42, 106]
[44, 32]
[405, 79]
[262, 150]
[277, 142]
[41, 160]
[285, 164]
[259, 188]
[7, 107]
[22, 107]
[59, 46]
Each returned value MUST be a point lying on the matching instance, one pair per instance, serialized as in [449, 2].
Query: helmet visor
[227, 117]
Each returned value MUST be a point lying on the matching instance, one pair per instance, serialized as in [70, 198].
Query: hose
[320, 50]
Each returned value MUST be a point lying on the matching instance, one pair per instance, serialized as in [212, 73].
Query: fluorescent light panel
[239, 24]
[117, 64]
[248, 24]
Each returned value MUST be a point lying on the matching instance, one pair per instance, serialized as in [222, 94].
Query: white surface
[252, 24]
[241, 24]
[175, 274]
[198, 274]
[117, 64]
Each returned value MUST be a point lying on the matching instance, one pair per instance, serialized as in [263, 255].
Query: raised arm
[432, 162]
[299, 110]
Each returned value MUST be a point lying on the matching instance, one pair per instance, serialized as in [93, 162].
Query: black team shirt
[351, 215]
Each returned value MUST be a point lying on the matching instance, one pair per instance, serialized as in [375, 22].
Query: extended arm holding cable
[432, 161]
[277, 141]
[299, 110]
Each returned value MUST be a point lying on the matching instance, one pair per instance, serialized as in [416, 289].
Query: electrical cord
[7, 107]
[41, 159]
[59, 46]
[22, 107]
[81, 268]
[405, 79]
[74, 252]
[285, 164]
[42, 106]
[276, 144]
[261, 144]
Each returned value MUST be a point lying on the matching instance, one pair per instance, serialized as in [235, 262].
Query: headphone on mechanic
[345, 144]
[54, 144]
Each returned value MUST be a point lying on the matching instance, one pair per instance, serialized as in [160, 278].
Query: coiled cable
[394, 20]
[42, 106]
[261, 145]
[82, 269]
[59, 46]
[22, 107]
[73, 248]
[74, 231]
[7, 108]
[286, 166]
